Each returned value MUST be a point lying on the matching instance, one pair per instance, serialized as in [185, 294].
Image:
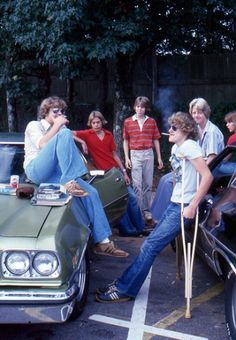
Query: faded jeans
[59, 162]
[142, 176]
[132, 221]
[170, 226]
[224, 169]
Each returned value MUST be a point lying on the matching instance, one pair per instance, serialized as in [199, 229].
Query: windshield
[11, 158]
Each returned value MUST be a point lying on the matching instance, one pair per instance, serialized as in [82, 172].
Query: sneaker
[112, 295]
[74, 189]
[105, 288]
[109, 249]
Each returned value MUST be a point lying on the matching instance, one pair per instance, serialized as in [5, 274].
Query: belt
[143, 149]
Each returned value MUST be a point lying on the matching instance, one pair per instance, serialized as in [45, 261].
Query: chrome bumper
[37, 306]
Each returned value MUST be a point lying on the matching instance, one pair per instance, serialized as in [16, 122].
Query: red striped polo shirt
[140, 139]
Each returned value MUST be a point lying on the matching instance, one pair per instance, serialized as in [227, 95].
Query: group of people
[196, 142]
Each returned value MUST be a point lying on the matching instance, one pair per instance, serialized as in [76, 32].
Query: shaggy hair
[185, 123]
[49, 103]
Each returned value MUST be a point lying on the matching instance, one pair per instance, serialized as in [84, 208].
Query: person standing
[211, 138]
[52, 156]
[211, 142]
[183, 133]
[100, 144]
[140, 135]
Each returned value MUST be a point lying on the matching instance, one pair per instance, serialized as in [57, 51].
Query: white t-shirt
[34, 131]
[188, 150]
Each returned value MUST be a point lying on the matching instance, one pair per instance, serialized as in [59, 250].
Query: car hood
[19, 218]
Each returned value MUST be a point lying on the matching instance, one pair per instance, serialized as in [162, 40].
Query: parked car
[216, 242]
[44, 265]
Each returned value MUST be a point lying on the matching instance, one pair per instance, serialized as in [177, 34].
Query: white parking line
[136, 325]
[139, 311]
[147, 329]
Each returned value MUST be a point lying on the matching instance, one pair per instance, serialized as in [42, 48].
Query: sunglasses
[173, 127]
[57, 110]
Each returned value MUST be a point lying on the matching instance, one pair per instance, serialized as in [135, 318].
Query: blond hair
[96, 114]
[201, 104]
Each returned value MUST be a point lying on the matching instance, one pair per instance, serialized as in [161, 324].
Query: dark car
[44, 266]
[216, 242]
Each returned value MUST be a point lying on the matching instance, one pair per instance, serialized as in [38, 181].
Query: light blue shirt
[212, 140]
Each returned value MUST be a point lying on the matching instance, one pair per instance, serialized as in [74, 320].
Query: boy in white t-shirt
[184, 133]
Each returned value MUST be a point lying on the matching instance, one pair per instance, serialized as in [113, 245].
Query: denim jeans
[142, 176]
[59, 162]
[224, 169]
[132, 221]
[170, 226]
[162, 196]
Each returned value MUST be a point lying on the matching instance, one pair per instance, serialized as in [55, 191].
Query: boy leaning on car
[52, 156]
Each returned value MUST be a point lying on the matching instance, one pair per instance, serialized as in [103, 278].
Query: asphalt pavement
[158, 312]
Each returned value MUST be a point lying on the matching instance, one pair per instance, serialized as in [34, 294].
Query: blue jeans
[170, 226]
[162, 196]
[132, 221]
[224, 169]
[59, 162]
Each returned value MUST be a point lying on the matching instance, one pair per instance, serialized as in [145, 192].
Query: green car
[44, 270]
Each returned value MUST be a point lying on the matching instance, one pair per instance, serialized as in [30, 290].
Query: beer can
[14, 181]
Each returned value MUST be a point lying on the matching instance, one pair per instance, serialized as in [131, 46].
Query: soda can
[14, 181]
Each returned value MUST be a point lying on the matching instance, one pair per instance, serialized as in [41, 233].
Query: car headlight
[17, 263]
[45, 263]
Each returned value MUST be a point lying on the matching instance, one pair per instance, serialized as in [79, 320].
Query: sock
[106, 240]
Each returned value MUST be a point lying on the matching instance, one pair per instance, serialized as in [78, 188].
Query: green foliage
[64, 37]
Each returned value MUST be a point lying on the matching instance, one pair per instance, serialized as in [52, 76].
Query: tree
[124, 30]
[36, 42]
[64, 37]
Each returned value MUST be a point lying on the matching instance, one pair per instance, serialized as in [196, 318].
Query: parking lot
[157, 313]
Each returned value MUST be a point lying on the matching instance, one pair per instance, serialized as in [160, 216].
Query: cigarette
[165, 134]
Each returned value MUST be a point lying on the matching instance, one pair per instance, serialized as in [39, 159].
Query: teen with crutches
[184, 134]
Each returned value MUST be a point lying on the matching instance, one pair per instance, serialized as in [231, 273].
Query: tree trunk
[103, 88]
[123, 97]
[69, 91]
[11, 113]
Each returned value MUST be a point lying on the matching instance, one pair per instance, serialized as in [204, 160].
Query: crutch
[188, 256]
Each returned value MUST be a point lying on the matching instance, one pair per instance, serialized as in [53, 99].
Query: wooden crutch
[188, 255]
